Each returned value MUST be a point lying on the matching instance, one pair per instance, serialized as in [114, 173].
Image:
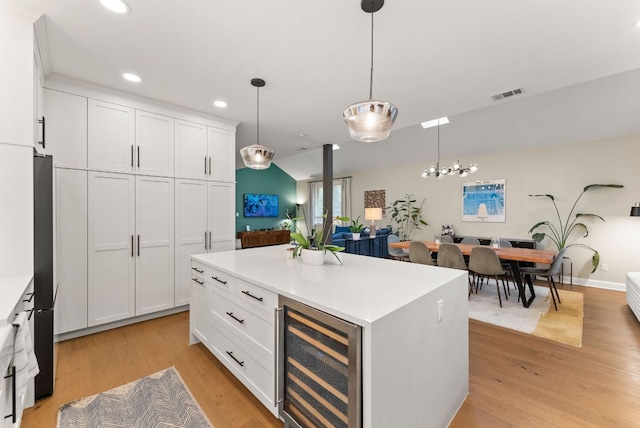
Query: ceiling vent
[502, 95]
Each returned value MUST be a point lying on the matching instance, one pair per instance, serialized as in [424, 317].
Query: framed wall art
[484, 201]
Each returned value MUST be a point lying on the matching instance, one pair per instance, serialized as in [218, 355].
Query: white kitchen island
[415, 366]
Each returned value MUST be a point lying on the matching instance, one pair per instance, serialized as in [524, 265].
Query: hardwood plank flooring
[516, 380]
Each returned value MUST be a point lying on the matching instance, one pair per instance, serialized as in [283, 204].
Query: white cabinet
[221, 215]
[154, 240]
[111, 137]
[16, 80]
[204, 223]
[204, 152]
[199, 318]
[66, 128]
[38, 106]
[111, 230]
[154, 144]
[71, 250]
[191, 150]
[221, 146]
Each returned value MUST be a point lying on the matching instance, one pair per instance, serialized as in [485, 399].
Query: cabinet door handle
[209, 165]
[199, 282]
[279, 351]
[209, 240]
[230, 353]
[205, 165]
[138, 245]
[43, 142]
[132, 156]
[131, 245]
[219, 280]
[234, 317]
[260, 299]
[205, 240]
[138, 156]
[197, 270]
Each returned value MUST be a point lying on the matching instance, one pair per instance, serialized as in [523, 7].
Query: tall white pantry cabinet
[128, 214]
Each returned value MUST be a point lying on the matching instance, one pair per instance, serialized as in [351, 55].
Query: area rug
[158, 400]
[540, 319]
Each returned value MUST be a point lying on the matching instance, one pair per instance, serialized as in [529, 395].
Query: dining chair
[484, 261]
[450, 256]
[396, 253]
[470, 240]
[419, 253]
[505, 243]
[549, 273]
[446, 239]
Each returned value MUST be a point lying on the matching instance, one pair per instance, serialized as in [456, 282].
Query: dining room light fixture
[455, 169]
[370, 120]
[257, 156]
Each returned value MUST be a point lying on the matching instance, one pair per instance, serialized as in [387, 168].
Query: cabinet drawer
[257, 296]
[221, 280]
[243, 320]
[249, 368]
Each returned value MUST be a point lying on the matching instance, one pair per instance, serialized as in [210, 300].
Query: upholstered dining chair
[549, 273]
[419, 253]
[446, 239]
[450, 256]
[396, 253]
[484, 261]
[470, 240]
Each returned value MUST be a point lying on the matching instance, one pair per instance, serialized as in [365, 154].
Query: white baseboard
[616, 286]
[116, 324]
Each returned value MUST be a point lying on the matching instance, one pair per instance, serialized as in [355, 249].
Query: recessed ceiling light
[434, 122]
[117, 6]
[132, 77]
[637, 24]
[336, 147]
[220, 104]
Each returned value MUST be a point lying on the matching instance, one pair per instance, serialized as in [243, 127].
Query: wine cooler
[319, 378]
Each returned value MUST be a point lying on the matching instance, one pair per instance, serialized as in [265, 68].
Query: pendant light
[454, 169]
[370, 120]
[257, 156]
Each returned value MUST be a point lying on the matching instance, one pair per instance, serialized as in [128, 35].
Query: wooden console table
[262, 238]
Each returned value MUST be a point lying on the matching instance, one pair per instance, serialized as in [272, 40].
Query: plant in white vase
[315, 241]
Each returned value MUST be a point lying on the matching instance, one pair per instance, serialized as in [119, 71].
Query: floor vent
[502, 95]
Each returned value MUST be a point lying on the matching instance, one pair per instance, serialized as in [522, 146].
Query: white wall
[561, 171]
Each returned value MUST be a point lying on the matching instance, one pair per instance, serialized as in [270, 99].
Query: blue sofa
[363, 247]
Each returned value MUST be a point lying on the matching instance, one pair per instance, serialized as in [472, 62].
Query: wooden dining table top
[504, 253]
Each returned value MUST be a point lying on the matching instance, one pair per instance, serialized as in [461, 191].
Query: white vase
[312, 257]
[355, 235]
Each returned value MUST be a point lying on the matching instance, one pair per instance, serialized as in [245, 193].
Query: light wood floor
[516, 380]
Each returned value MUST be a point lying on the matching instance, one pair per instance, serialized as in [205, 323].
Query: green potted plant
[561, 233]
[407, 216]
[356, 227]
[315, 242]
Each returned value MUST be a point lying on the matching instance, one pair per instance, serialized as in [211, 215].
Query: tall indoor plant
[560, 234]
[407, 216]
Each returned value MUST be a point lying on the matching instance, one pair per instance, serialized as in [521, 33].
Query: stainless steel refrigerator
[44, 296]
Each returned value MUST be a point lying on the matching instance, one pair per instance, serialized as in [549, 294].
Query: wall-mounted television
[260, 205]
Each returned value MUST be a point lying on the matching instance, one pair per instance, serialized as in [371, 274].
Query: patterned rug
[158, 400]
[540, 319]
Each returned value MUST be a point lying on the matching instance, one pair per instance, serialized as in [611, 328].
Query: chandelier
[257, 156]
[454, 169]
[370, 120]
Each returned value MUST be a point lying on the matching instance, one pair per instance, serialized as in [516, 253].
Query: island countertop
[361, 290]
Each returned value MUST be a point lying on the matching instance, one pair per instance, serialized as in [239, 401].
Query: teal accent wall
[273, 181]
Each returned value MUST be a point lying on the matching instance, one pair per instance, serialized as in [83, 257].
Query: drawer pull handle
[260, 299]
[235, 318]
[235, 359]
[219, 280]
[30, 297]
[197, 270]
[199, 282]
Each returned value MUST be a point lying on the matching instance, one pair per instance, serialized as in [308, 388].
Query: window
[341, 200]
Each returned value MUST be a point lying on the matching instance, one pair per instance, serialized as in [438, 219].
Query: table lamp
[372, 214]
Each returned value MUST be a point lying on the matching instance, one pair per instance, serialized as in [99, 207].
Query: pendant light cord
[258, 116]
[438, 162]
[371, 76]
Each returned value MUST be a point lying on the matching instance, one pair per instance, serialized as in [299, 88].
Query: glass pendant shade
[371, 120]
[635, 210]
[257, 156]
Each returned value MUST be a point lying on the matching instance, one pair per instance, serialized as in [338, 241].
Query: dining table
[513, 255]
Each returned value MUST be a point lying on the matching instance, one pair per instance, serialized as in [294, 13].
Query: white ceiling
[432, 58]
